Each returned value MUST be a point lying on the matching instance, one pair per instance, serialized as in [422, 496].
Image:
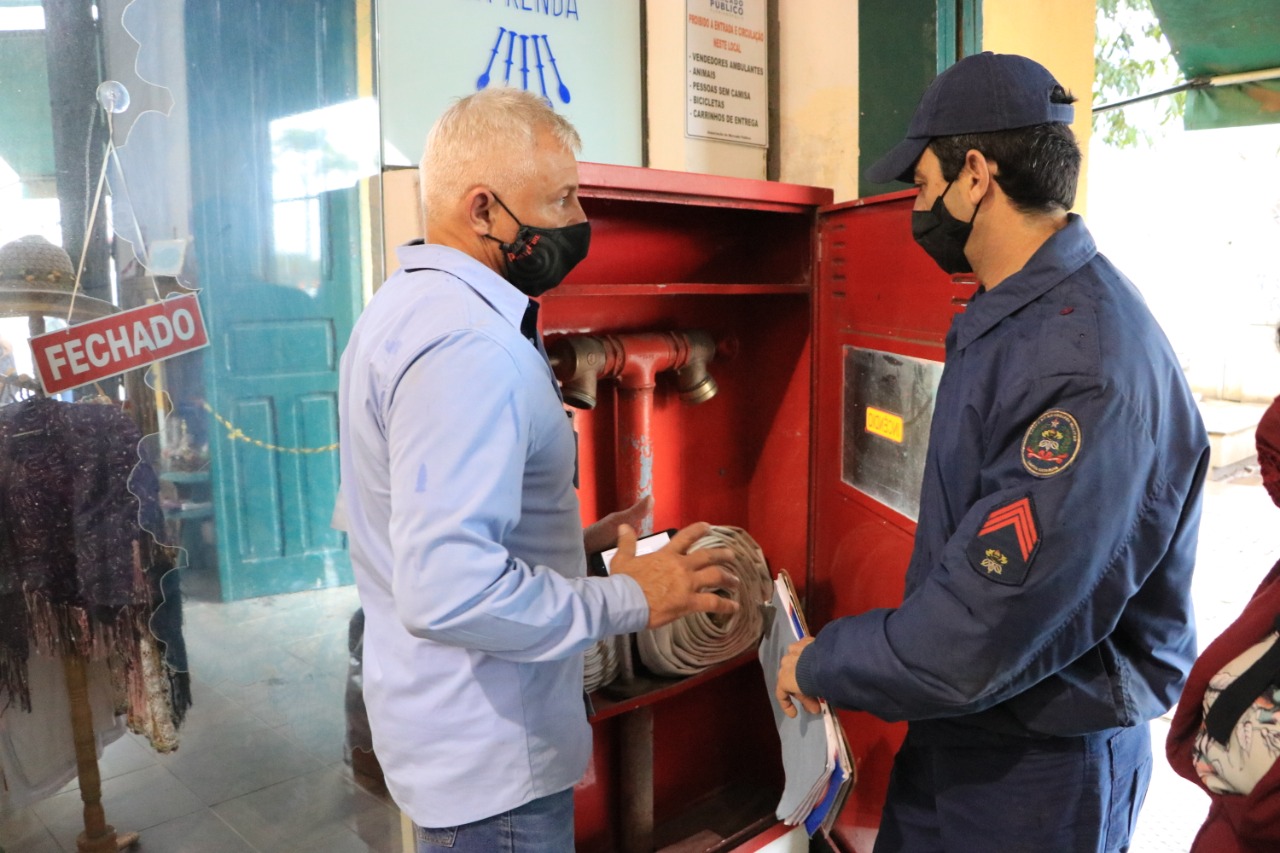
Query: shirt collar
[1062, 254]
[501, 295]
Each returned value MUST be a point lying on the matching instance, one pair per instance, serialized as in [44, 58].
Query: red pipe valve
[580, 361]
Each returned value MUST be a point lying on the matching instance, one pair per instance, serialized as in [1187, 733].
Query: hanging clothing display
[37, 758]
[80, 569]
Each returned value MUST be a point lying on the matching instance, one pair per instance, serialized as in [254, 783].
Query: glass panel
[888, 406]
[168, 527]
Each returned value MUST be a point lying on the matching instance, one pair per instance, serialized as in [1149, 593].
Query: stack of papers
[815, 754]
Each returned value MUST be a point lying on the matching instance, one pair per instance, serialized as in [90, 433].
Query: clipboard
[819, 770]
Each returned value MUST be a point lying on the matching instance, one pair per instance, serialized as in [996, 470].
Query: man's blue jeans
[541, 826]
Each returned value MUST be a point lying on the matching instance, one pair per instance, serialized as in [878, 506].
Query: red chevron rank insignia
[1006, 543]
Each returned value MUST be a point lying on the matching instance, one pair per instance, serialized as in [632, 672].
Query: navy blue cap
[979, 94]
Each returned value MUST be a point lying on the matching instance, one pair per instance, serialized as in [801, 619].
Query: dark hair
[1039, 165]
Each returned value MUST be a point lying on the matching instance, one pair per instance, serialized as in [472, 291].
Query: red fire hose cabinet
[762, 358]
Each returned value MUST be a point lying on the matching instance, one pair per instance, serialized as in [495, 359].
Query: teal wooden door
[275, 124]
[902, 45]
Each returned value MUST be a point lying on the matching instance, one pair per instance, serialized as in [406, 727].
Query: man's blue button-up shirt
[466, 541]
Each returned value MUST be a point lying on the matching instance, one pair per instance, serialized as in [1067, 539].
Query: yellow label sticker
[884, 424]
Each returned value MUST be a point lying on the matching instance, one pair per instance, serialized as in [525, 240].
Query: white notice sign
[726, 71]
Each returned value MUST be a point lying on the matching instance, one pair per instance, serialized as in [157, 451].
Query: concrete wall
[817, 73]
[669, 148]
[1059, 34]
[818, 94]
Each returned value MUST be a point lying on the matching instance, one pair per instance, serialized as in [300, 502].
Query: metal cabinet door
[881, 314]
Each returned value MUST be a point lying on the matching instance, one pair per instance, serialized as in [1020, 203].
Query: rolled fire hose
[602, 663]
[698, 641]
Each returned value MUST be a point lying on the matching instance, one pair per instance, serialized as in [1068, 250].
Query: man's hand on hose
[675, 581]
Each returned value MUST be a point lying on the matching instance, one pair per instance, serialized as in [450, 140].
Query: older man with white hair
[458, 468]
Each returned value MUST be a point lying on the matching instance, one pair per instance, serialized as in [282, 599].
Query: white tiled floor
[260, 767]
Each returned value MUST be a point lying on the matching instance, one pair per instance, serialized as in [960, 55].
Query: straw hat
[34, 262]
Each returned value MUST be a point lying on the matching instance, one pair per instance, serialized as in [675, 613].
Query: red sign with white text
[88, 352]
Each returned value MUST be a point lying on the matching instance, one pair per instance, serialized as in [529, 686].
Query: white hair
[485, 138]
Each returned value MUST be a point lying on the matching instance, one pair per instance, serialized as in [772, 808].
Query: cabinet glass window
[888, 406]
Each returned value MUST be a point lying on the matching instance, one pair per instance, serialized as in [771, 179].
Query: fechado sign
[92, 351]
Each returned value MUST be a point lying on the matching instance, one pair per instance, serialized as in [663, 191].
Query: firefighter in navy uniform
[1047, 614]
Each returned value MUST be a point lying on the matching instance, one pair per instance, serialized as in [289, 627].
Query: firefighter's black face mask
[942, 235]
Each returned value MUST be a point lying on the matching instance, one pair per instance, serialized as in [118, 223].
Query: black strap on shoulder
[1238, 697]
[529, 323]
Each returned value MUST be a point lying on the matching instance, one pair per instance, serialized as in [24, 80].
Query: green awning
[1229, 51]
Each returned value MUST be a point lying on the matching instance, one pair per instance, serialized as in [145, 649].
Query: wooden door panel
[280, 272]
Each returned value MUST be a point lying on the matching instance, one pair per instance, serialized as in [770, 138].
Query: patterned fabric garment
[1236, 767]
[1224, 735]
[79, 568]
[1267, 441]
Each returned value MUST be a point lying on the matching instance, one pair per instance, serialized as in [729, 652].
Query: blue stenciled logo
[535, 47]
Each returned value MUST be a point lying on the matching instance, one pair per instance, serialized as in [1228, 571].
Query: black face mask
[942, 235]
[539, 258]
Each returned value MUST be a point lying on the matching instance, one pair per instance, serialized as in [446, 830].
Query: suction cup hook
[113, 96]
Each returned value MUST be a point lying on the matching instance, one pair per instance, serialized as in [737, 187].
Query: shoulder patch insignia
[1051, 444]
[1006, 543]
